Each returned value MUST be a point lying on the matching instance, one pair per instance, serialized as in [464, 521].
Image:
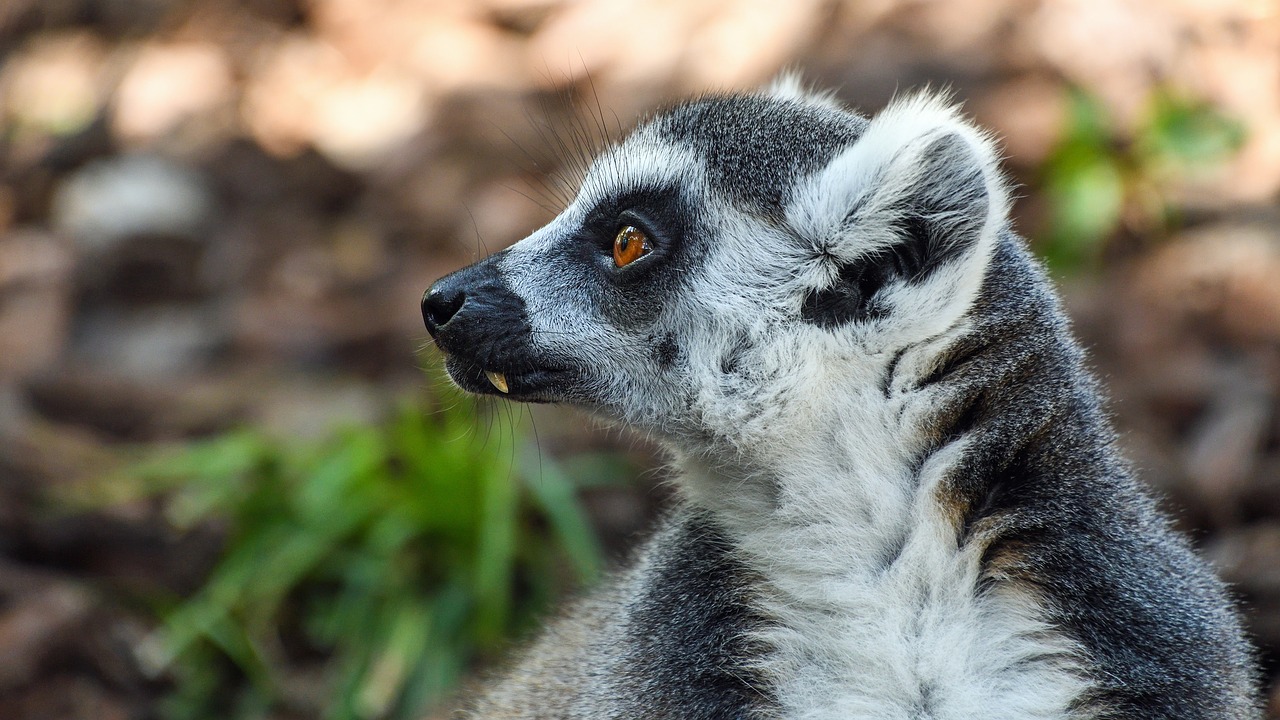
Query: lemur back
[901, 496]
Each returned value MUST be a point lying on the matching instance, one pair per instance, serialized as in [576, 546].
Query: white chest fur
[914, 640]
[877, 613]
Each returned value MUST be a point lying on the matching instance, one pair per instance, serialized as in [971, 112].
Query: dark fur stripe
[687, 632]
[1042, 488]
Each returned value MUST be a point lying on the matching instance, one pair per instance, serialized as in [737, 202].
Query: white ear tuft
[919, 155]
[789, 85]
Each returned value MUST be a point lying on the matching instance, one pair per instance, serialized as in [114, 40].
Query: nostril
[439, 306]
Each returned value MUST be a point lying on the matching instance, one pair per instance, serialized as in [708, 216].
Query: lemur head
[733, 264]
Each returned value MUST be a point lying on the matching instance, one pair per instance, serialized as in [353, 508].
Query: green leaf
[495, 553]
[401, 651]
[1190, 133]
[556, 496]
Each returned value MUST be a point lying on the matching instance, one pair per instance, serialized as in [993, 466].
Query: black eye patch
[662, 210]
[633, 297]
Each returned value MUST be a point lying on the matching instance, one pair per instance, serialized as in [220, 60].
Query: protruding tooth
[498, 380]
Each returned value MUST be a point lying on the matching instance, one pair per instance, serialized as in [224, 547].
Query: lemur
[901, 497]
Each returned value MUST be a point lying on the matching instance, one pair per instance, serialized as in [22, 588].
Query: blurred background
[232, 481]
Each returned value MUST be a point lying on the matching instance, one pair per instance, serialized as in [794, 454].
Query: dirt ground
[217, 212]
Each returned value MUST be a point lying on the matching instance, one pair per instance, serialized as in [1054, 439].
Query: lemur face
[731, 262]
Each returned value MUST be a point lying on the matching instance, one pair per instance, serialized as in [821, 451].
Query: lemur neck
[861, 487]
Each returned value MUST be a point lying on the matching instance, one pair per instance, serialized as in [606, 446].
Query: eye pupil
[629, 245]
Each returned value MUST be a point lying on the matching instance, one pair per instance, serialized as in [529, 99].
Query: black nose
[440, 304]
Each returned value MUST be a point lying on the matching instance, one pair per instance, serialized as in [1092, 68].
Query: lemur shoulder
[901, 496]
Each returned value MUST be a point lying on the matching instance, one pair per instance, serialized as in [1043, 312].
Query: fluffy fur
[902, 498]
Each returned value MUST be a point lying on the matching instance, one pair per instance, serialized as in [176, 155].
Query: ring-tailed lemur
[901, 496]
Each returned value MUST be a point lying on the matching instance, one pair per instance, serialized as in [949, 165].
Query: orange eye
[629, 246]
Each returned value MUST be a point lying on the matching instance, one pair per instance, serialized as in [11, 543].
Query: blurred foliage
[391, 558]
[1096, 181]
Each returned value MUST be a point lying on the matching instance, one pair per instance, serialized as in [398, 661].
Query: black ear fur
[944, 216]
[851, 297]
[939, 218]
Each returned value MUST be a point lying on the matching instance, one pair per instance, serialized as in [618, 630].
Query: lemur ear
[920, 190]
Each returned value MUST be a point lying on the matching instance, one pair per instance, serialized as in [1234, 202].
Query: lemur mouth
[534, 384]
